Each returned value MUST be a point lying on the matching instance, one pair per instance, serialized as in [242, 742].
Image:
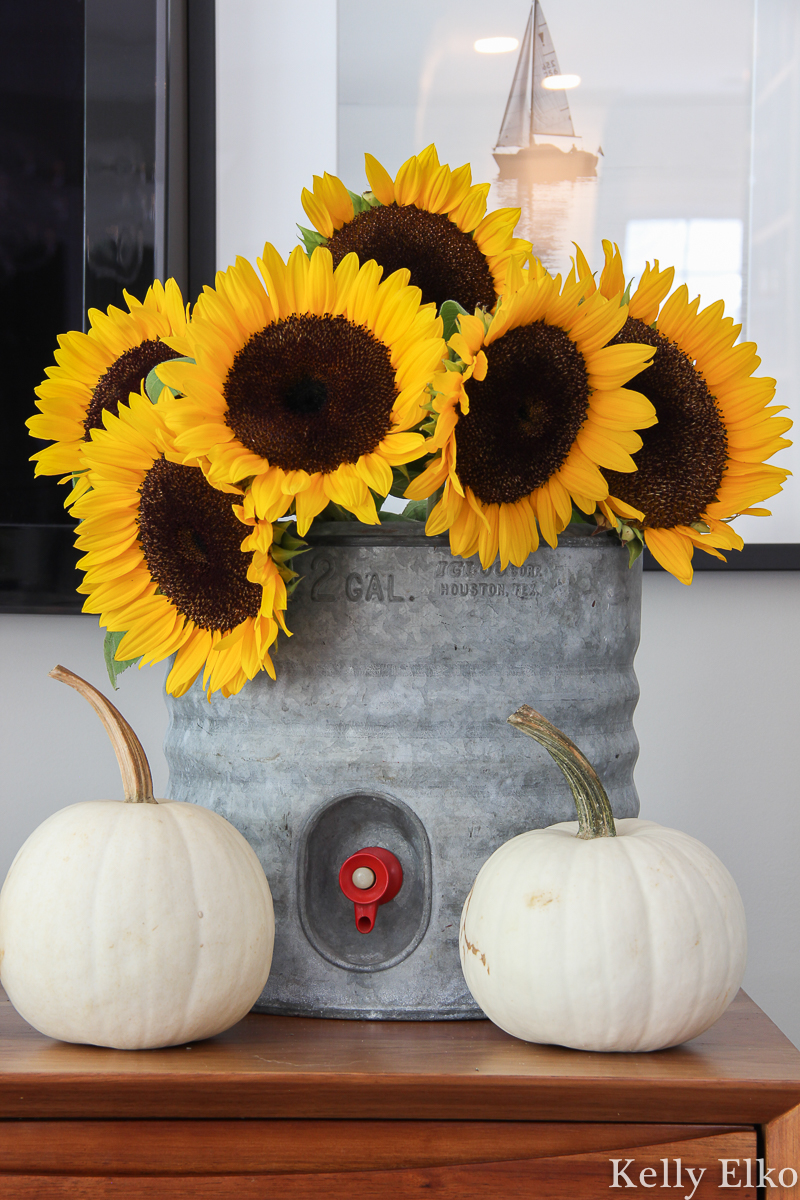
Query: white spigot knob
[363, 878]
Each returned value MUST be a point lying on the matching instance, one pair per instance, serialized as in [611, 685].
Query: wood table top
[742, 1070]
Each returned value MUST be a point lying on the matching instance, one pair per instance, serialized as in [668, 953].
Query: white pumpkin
[601, 938]
[134, 925]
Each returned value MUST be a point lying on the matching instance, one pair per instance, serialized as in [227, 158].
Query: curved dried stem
[595, 818]
[137, 782]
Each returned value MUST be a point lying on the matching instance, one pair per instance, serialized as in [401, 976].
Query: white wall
[717, 721]
[53, 748]
[276, 119]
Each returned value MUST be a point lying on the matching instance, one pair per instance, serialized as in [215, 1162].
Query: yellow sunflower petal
[489, 535]
[380, 181]
[545, 515]
[464, 534]
[317, 213]
[612, 276]
[431, 190]
[672, 551]
[407, 183]
[166, 518]
[705, 396]
[88, 380]
[336, 199]
[653, 287]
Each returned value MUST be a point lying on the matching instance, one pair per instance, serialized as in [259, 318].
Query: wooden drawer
[338, 1159]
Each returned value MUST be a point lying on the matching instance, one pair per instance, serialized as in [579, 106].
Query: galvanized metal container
[387, 727]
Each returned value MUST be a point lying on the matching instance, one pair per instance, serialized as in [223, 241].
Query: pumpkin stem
[137, 781]
[595, 817]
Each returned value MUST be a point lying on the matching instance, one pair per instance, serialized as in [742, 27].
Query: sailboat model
[537, 139]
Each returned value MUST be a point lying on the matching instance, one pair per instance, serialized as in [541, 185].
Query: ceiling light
[560, 83]
[498, 45]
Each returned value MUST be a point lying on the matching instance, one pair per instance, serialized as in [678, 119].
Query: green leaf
[284, 538]
[450, 311]
[415, 510]
[400, 481]
[311, 239]
[360, 203]
[626, 296]
[293, 545]
[114, 668]
[153, 385]
[334, 512]
[485, 317]
[635, 548]
[579, 517]
[280, 555]
[372, 200]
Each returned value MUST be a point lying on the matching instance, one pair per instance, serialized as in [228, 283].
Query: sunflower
[704, 462]
[429, 219]
[168, 559]
[544, 410]
[97, 371]
[306, 389]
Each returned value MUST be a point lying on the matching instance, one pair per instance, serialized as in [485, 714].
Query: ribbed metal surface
[404, 664]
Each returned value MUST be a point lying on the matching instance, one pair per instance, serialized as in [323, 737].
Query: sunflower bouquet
[412, 346]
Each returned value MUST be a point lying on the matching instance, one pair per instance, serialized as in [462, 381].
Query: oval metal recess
[335, 831]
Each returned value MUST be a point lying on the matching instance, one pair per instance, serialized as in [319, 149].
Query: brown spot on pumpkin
[540, 899]
[474, 950]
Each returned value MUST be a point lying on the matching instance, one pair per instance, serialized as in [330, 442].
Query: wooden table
[289, 1108]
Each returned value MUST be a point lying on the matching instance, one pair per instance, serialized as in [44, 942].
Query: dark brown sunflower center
[524, 416]
[125, 375]
[311, 393]
[307, 397]
[682, 459]
[445, 263]
[190, 539]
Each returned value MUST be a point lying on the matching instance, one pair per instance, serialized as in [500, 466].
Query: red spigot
[370, 877]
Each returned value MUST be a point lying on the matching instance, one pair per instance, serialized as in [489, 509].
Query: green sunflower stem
[595, 818]
[134, 768]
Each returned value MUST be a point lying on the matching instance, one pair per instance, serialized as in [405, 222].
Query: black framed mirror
[107, 157]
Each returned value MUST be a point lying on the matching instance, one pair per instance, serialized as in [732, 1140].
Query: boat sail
[536, 112]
